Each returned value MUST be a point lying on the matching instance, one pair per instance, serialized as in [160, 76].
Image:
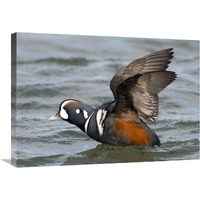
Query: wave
[61, 61]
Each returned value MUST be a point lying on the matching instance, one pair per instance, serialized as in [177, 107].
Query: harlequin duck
[135, 88]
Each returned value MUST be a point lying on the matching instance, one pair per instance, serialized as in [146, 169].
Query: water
[51, 68]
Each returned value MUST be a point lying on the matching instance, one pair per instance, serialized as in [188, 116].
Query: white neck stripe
[101, 114]
[87, 122]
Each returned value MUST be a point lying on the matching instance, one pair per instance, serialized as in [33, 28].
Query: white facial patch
[101, 114]
[63, 114]
[77, 111]
[85, 114]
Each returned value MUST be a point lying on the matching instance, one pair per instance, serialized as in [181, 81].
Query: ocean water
[51, 68]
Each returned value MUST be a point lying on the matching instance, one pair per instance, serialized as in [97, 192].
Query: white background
[153, 19]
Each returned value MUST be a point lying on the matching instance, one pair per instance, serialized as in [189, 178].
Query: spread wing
[136, 85]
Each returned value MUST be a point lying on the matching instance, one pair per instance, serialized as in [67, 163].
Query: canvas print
[95, 99]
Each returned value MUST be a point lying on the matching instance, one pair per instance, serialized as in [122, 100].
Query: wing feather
[157, 61]
[136, 86]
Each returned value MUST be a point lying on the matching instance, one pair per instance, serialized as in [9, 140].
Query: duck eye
[65, 108]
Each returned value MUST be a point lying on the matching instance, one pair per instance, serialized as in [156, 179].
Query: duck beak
[55, 117]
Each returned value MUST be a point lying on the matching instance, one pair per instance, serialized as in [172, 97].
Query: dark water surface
[51, 68]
